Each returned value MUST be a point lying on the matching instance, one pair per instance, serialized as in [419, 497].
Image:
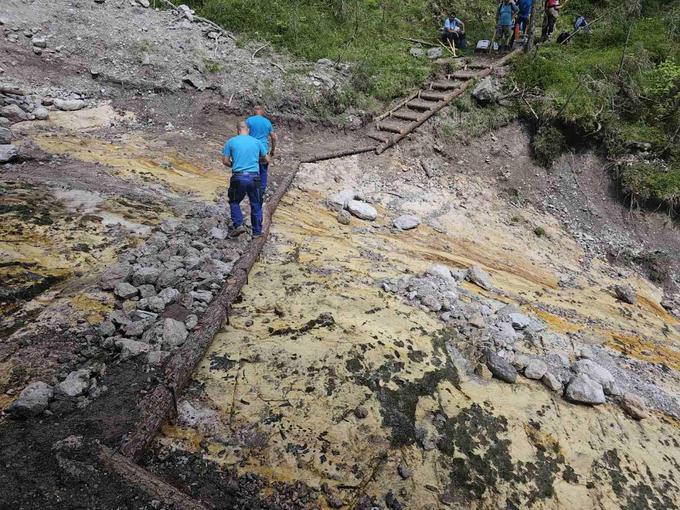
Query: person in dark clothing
[552, 12]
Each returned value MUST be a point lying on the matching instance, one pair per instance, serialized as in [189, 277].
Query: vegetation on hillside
[618, 86]
[366, 33]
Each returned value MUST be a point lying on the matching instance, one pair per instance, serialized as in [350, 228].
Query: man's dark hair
[452, 15]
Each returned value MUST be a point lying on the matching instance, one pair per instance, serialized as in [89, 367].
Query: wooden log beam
[149, 483]
[159, 404]
[339, 154]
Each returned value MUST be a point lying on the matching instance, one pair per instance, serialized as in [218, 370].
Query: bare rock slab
[479, 277]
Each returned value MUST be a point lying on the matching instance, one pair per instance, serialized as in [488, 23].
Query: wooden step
[380, 137]
[433, 96]
[463, 74]
[392, 127]
[405, 115]
[419, 104]
[444, 85]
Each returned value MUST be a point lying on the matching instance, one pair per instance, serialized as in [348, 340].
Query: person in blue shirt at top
[505, 23]
[262, 129]
[243, 154]
[454, 31]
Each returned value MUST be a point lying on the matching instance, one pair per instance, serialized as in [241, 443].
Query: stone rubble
[499, 340]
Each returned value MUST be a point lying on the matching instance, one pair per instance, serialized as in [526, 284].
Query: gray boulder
[406, 222]
[75, 384]
[431, 303]
[131, 348]
[551, 381]
[145, 275]
[107, 328]
[8, 153]
[634, 406]
[487, 91]
[362, 210]
[519, 321]
[114, 274]
[124, 290]
[218, 233]
[39, 41]
[339, 201]
[69, 105]
[5, 136]
[433, 53]
[500, 367]
[174, 333]
[583, 390]
[417, 52]
[344, 217]
[32, 401]
[169, 295]
[626, 293]
[597, 373]
[41, 113]
[479, 277]
[535, 369]
[14, 113]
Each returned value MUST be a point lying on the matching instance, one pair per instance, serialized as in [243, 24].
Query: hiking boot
[237, 231]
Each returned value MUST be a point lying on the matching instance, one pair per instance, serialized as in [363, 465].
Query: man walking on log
[243, 153]
[262, 129]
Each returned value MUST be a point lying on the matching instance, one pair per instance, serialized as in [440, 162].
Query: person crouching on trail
[454, 31]
[262, 129]
[243, 154]
[552, 12]
[504, 23]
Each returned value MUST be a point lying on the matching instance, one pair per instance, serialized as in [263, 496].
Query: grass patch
[466, 118]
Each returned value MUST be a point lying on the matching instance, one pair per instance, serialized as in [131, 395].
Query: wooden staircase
[406, 116]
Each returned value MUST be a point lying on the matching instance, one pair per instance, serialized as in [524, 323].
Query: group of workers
[249, 154]
[512, 20]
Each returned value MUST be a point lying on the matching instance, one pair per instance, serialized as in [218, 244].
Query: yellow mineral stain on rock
[135, 158]
[646, 350]
[315, 337]
[95, 307]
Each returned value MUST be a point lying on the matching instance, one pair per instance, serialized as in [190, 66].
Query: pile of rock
[17, 105]
[503, 342]
[348, 202]
[164, 285]
[79, 387]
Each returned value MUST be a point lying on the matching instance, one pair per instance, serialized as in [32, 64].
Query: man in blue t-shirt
[243, 154]
[262, 129]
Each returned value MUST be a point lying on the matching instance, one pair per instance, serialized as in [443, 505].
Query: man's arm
[227, 160]
[273, 138]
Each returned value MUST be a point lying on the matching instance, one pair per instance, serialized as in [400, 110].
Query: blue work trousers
[243, 184]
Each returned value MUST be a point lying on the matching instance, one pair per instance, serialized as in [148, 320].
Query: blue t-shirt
[525, 8]
[505, 12]
[260, 128]
[245, 152]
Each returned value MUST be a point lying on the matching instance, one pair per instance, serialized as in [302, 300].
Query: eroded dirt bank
[326, 376]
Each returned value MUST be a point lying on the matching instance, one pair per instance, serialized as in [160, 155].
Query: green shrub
[548, 144]
[652, 182]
